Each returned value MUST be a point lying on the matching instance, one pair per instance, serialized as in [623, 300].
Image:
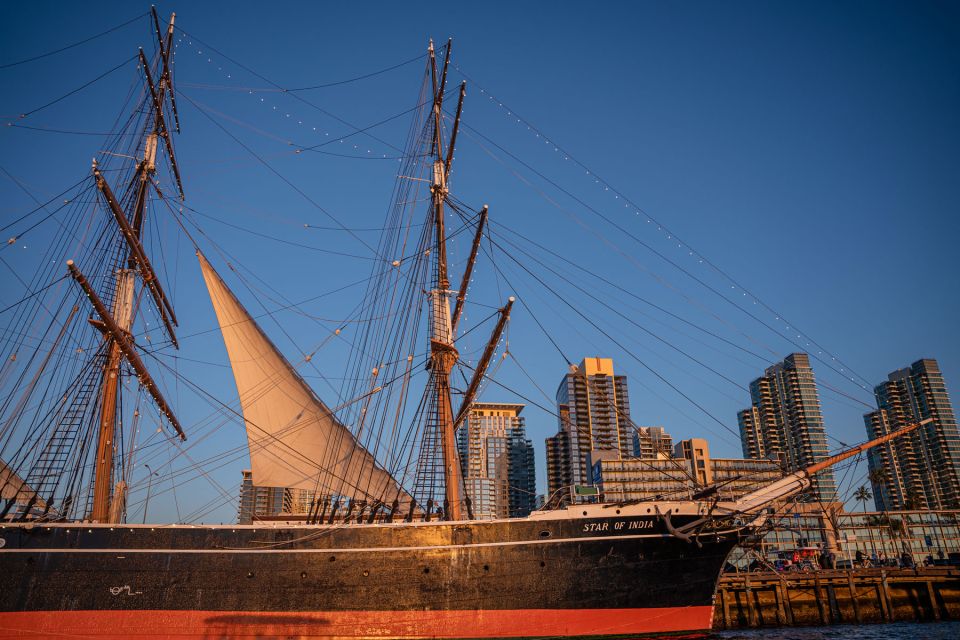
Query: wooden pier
[856, 596]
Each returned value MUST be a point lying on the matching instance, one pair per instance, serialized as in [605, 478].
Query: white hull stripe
[361, 550]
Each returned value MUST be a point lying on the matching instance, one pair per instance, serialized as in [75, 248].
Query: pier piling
[768, 599]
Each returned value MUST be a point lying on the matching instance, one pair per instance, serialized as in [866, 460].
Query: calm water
[896, 631]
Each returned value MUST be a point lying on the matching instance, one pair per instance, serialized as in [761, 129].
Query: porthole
[426, 569]
[365, 573]
[544, 534]
[542, 564]
[618, 511]
[303, 574]
[249, 574]
[584, 513]
[333, 558]
[486, 567]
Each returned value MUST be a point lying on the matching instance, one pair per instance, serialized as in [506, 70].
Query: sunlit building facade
[271, 502]
[593, 406]
[650, 441]
[922, 469]
[690, 469]
[784, 422]
[497, 461]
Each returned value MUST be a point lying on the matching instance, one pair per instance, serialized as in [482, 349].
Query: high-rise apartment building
[922, 469]
[271, 502]
[594, 410]
[559, 462]
[521, 473]
[648, 442]
[497, 461]
[784, 422]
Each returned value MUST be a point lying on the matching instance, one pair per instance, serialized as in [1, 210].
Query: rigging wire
[272, 170]
[357, 78]
[665, 229]
[588, 207]
[80, 88]
[626, 255]
[276, 239]
[35, 293]
[75, 44]
[357, 379]
[616, 312]
[293, 95]
[41, 206]
[623, 347]
[49, 215]
[101, 134]
[610, 283]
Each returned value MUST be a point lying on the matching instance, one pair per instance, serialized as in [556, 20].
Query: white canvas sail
[295, 440]
[13, 487]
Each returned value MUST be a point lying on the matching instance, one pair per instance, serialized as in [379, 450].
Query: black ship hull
[574, 576]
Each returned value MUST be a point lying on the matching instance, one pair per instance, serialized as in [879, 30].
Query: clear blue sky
[809, 150]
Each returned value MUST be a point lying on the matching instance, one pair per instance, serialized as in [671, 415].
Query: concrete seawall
[837, 597]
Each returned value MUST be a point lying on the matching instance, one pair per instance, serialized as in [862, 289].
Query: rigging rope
[75, 44]
[35, 293]
[67, 131]
[653, 220]
[33, 211]
[279, 175]
[80, 88]
[293, 95]
[362, 77]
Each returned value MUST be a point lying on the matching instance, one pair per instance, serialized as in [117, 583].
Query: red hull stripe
[354, 624]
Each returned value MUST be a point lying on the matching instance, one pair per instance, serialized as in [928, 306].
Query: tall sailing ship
[390, 548]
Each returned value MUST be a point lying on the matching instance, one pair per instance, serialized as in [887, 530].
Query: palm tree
[862, 494]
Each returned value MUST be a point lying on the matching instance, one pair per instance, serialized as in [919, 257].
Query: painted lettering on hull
[617, 526]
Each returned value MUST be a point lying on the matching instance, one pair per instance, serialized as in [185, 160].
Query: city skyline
[495, 473]
[783, 426]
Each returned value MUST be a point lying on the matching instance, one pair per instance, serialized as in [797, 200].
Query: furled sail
[295, 440]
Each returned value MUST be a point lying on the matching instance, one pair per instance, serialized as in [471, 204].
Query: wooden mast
[443, 355]
[122, 313]
[106, 445]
